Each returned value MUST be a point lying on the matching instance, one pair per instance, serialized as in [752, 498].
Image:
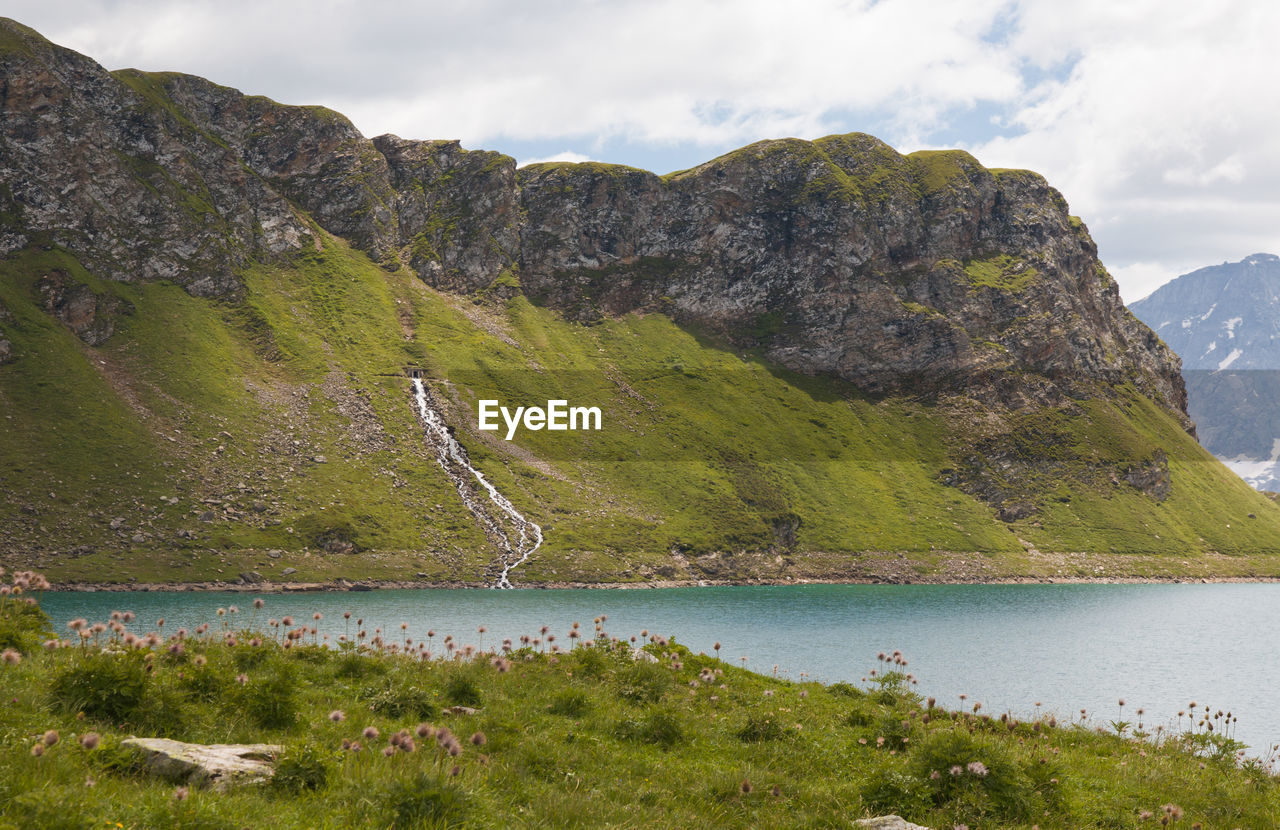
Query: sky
[1158, 120]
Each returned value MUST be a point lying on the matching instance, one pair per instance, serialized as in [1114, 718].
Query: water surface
[1007, 646]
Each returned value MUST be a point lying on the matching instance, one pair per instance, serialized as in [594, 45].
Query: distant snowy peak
[1224, 321]
[1220, 317]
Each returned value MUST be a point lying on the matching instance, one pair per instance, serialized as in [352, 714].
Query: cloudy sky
[1159, 120]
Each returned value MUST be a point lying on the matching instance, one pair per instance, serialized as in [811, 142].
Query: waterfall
[453, 460]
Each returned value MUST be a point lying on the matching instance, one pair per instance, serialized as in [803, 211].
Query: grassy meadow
[577, 727]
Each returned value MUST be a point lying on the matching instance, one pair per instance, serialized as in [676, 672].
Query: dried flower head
[89, 740]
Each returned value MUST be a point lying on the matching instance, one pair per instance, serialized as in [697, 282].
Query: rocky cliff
[814, 359]
[923, 273]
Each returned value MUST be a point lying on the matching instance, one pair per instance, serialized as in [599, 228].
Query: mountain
[239, 337]
[1224, 321]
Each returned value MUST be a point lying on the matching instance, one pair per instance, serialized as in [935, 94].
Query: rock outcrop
[887, 823]
[925, 273]
[219, 766]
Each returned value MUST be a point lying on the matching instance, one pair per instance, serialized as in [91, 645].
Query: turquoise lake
[1068, 647]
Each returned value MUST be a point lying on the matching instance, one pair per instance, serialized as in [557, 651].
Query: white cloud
[567, 155]
[1139, 279]
[703, 71]
[1165, 135]
[1158, 119]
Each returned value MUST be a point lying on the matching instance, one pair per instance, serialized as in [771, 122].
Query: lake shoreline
[275, 587]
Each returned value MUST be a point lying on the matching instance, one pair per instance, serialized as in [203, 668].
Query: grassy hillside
[594, 735]
[212, 433]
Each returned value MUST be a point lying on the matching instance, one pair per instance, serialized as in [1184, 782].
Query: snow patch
[1231, 326]
[1260, 474]
[1229, 359]
[1208, 313]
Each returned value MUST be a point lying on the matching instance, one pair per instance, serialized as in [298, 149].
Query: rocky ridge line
[925, 273]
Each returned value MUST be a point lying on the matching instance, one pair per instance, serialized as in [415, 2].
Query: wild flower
[11, 657]
[478, 739]
[389, 751]
[51, 737]
[957, 770]
[242, 678]
[370, 733]
[977, 768]
[200, 660]
[455, 771]
[425, 730]
[258, 604]
[181, 794]
[337, 716]
[745, 787]
[37, 750]
[89, 740]
[455, 749]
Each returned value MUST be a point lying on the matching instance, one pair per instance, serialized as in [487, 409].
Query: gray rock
[6, 351]
[888, 823]
[289, 571]
[251, 577]
[219, 766]
[90, 315]
[459, 710]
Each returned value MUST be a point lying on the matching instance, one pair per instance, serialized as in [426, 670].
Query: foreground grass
[595, 733]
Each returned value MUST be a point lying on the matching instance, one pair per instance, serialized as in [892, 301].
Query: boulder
[888, 823]
[207, 765]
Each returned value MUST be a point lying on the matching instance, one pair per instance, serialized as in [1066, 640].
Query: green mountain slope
[813, 360]
[199, 424]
